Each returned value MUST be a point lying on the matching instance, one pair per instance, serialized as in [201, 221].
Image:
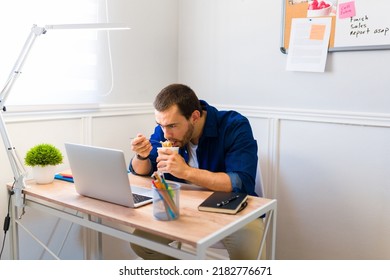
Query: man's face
[177, 129]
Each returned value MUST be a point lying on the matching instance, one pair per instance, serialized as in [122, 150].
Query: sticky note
[317, 32]
[347, 10]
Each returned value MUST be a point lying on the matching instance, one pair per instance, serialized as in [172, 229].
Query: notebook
[101, 173]
[224, 202]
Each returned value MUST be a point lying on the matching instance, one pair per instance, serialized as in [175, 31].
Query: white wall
[145, 59]
[230, 53]
[323, 137]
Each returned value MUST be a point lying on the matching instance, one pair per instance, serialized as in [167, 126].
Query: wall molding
[103, 110]
[337, 117]
[70, 112]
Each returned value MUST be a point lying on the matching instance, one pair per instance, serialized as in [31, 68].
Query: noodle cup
[175, 149]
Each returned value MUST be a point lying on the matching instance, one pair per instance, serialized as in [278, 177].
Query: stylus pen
[222, 203]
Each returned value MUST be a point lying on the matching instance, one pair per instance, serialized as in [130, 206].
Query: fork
[150, 140]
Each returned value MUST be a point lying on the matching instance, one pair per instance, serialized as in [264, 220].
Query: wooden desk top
[191, 227]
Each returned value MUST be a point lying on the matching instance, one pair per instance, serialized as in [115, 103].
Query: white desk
[194, 228]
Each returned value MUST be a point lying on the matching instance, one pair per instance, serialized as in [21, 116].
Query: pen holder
[166, 202]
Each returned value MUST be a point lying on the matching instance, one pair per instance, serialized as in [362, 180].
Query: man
[217, 151]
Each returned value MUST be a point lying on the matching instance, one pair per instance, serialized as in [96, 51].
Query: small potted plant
[43, 159]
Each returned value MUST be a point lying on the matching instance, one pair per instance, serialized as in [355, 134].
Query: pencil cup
[166, 202]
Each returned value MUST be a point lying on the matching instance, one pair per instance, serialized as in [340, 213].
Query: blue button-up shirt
[226, 145]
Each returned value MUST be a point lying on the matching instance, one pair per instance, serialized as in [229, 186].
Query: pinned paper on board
[309, 42]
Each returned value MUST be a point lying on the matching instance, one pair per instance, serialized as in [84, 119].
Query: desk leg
[273, 238]
[99, 242]
[93, 241]
[270, 218]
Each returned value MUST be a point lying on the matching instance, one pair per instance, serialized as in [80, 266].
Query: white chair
[259, 186]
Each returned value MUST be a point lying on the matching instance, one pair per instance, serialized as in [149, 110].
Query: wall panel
[333, 191]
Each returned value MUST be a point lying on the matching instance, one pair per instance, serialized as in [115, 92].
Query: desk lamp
[15, 161]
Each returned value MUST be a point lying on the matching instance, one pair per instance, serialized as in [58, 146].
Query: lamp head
[96, 26]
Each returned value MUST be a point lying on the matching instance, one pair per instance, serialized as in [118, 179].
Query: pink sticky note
[347, 10]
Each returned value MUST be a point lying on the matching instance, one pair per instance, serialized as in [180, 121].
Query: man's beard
[187, 137]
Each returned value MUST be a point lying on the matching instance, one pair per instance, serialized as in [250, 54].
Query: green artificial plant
[43, 155]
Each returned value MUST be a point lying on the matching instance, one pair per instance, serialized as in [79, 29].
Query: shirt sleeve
[236, 181]
[131, 169]
[241, 156]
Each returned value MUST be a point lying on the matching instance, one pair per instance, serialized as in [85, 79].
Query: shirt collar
[210, 128]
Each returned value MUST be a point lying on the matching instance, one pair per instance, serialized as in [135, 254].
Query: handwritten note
[347, 10]
[361, 24]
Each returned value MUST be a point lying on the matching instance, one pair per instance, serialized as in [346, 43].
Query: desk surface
[192, 226]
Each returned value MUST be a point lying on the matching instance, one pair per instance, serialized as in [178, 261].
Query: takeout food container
[319, 8]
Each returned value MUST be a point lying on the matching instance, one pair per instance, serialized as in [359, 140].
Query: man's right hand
[141, 146]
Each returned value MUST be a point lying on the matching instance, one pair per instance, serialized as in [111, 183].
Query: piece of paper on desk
[308, 46]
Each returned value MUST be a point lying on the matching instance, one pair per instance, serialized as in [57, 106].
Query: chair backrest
[259, 187]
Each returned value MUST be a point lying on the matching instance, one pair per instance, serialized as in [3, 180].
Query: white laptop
[101, 173]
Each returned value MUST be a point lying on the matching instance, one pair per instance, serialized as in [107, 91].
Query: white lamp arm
[16, 70]
[15, 162]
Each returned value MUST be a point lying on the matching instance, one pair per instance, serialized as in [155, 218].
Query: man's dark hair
[181, 95]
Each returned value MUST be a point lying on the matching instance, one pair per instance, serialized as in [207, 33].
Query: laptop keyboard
[140, 198]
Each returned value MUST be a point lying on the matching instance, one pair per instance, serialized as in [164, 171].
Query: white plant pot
[44, 174]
